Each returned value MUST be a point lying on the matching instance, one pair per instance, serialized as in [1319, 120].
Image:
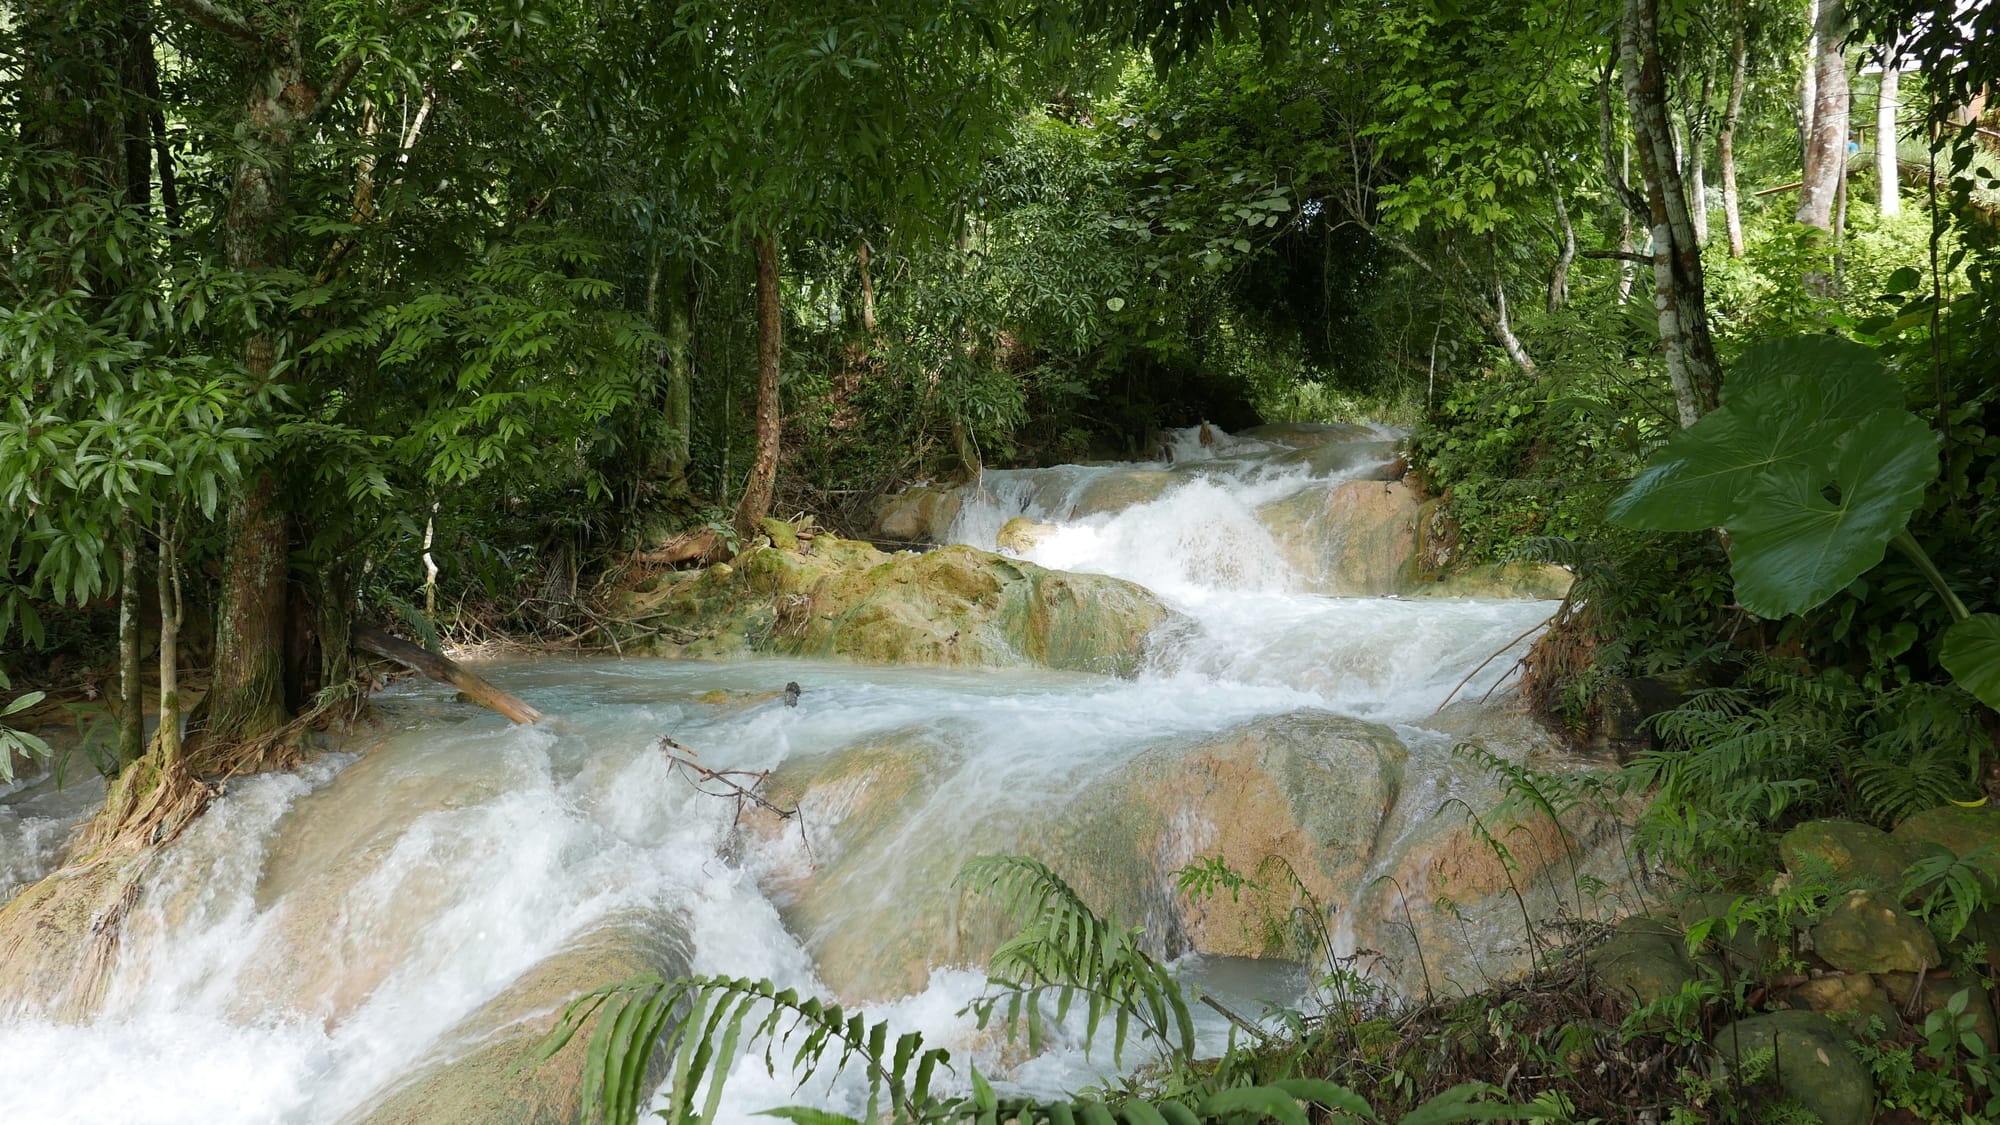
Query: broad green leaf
[1794, 548]
[1971, 653]
[22, 704]
[1787, 403]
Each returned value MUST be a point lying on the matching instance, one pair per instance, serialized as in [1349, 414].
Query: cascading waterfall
[319, 936]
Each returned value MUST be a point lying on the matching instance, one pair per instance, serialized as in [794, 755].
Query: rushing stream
[318, 936]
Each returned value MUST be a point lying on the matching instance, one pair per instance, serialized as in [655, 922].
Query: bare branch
[1617, 255]
[217, 17]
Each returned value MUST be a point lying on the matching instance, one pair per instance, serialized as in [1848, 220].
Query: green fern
[1065, 952]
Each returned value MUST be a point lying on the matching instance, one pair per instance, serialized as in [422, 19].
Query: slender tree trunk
[1698, 159]
[131, 692]
[1809, 85]
[867, 292]
[1725, 137]
[1887, 179]
[1826, 154]
[758, 490]
[670, 307]
[1625, 243]
[1679, 297]
[1566, 251]
[169, 583]
[1503, 328]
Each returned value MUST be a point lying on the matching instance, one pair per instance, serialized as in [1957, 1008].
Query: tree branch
[218, 18]
[1617, 255]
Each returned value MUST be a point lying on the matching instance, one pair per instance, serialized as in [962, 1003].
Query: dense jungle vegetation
[324, 315]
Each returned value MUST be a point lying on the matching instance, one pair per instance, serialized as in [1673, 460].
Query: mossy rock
[1748, 950]
[1849, 853]
[1854, 997]
[60, 935]
[1117, 491]
[1960, 831]
[485, 1069]
[955, 606]
[782, 535]
[1499, 580]
[917, 515]
[1645, 960]
[1934, 992]
[1020, 535]
[1813, 1064]
[1869, 932]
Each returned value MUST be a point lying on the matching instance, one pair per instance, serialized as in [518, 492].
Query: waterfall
[320, 939]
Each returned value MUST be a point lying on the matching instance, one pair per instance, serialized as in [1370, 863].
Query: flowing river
[319, 937]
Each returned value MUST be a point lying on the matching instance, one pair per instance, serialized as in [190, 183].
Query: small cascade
[337, 945]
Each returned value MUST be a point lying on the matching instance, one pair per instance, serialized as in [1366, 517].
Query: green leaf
[1794, 548]
[1787, 403]
[1971, 653]
[22, 704]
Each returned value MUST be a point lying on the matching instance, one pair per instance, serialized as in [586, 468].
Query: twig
[680, 758]
[1503, 651]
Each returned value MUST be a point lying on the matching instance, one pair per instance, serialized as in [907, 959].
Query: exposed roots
[1564, 652]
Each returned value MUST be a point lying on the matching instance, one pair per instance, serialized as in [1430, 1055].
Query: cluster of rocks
[1863, 964]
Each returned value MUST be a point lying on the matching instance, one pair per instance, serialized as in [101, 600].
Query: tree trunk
[1566, 251]
[131, 692]
[445, 671]
[1698, 160]
[1503, 328]
[247, 690]
[867, 293]
[758, 490]
[1826, 150]
[168, 580]
[1679, 298]
[1725, 137]
[1625, 243]
[1888, 184]
[1809, 84]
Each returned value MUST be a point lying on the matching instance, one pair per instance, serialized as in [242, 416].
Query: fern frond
[1064, 952]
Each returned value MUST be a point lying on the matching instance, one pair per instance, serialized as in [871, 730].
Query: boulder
[955, 606]
[1846, 853]
[1020, 535]
[1960, 831]
[1746, 951]
[1812, 1065]
[917, 515]
[1121, 489]
[1850, 996]
[1358, 537]
[1308, 789]
[1500, 580]
[1933, 993]
[1645, 960]
[484, 1069]
[1868, 932]
[1306, 435]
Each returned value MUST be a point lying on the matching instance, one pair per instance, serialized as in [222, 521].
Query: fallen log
[377, 643]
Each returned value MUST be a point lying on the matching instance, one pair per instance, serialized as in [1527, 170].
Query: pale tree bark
[1489, 311]
[1826, 150]
[867, 292]
[1725, 137]
[1888, 185]
[1679, 297]
[1503, 328]
[1625, 244]
[1809, 84]
[169, 582]
[1565, 239]
[131, 691]
[1697, 120]
[759, 489]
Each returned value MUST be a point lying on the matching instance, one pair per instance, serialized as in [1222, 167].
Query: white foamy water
[317, 937]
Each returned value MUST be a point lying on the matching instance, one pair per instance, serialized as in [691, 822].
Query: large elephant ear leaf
[1971, 653]
[1795, 547]
[1786, 405]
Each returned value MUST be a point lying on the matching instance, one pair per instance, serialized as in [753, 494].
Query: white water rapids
[316, 936]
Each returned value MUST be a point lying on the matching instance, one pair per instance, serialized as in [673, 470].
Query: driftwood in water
[378, 643]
